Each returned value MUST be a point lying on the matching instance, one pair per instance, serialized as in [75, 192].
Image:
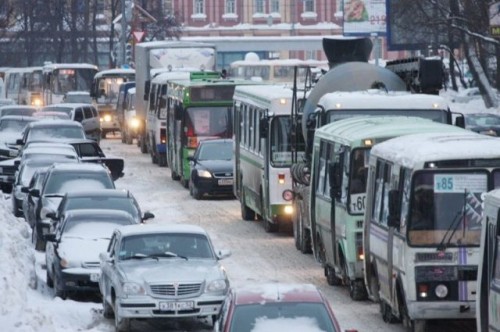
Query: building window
[230, 6]
[275, 6]
[259, 6]
[199, 6]
[309, 5]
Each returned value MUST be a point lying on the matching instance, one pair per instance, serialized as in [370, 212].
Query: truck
[169, 55]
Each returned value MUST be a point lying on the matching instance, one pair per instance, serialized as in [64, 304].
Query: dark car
[212, 168]
[73, 248]
[61, 179]
[30, 202]
[483, 123]
[110, 199]
[274, 307]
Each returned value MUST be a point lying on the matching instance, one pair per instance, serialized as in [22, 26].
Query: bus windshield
[446, 208]
[281, 143]
[109, 88]
[208, 121]
[72, 79]
[436, 115]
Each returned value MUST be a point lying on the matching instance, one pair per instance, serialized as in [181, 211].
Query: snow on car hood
[71, 249]
[173, 269]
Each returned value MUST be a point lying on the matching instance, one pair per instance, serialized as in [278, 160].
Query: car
[466, 95]
[84, 113]
[161, 271]
[112, 199]
[23, 110]
[51, 115]
[212, 168]
[274, 307]
[11, 127]
[483, 123]
[30, 202]
[78, 97]
[60, 179]
[71, 269]
[52, 130]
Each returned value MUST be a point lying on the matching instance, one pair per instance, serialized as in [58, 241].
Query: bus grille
[433, 257]
[223, 175]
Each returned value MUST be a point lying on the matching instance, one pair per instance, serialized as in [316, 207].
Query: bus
[156, 134]
[59, 78]
[275, 70]
[197, 109]
[262, 153]
[336, 106]
[338, 190]
[488, 278]
[422, 224]
[105, 91]
[24, 85]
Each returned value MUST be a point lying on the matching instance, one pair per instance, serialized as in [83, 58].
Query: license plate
[174, 306]
[225, 182]
[94, 277]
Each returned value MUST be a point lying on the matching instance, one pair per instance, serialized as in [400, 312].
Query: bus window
[206, 122]
[359, 170]
[281, 153]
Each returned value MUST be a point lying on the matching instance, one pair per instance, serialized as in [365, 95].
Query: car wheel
[246, 212]
[121, 324]
[196, 192]
[129, 139]
[39, 243]
[59, 292]
[49, 281]
[107, 310]
[270, 227]
[331, 278]
[162, 160]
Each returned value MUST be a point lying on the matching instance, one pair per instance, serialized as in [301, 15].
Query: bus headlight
[441, 291]
[36, 102]
[288, 209]
[204, 173]
[107, 118]
[134, 123]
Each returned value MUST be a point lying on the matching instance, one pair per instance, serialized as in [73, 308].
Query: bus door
[492, 261]
[238, 123]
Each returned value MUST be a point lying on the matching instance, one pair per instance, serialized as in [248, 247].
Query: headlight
[107, 118]
[204, 173]
[219, 285]
[441, 291]
[63, 262]
[36, 102]
[288, 209]
[134, 123]
[132, 288]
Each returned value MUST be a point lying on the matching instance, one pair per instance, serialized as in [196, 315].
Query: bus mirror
[178, 112]
[263, 127]
[460, 121]
[394, 209]
[147, 86]
[334, 177]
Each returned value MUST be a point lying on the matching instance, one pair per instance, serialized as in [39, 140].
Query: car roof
[56, 150]
[145, 229]
[18, 107]
[18, 117]
[98, 214]
[276, 292]
[100, 193]
[85, 93]
[79, 167]
[69, 105]
[54, 123]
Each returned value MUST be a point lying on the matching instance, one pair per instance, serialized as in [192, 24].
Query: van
[86, 114]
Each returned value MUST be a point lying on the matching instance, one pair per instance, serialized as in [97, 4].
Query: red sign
[138, 35]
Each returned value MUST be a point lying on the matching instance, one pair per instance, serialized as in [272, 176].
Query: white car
[161, 271]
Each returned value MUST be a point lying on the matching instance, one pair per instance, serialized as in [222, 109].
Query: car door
[108, 275]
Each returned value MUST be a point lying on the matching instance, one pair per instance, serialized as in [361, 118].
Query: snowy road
[257, 256]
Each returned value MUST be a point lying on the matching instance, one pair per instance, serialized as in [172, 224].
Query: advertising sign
[364, 17]
[495, 19]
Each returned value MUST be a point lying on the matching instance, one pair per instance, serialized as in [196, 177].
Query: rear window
[63, 182]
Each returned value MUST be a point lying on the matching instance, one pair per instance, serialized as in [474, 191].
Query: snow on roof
[171, 75]
[115, 72]
[369, 98]
[413, 150]
[171, 44]
[157, 228]
[69, 65]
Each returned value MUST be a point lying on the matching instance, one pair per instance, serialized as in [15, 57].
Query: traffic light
[128, 53]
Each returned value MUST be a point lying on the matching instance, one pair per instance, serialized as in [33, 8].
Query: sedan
[11, 127]
[483, 123]
[212, 169]
[23, 110]
[161, 271]
[276, 307]
[71, 269]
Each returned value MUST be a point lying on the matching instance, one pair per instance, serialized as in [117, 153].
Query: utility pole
[126, 17]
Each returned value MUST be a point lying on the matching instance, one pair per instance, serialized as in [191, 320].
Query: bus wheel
[418, 325]
[174, 175]
[162, 160]
[246, 212]
[386, 312]
[331, 278]
[357, 290]
[301, 235]
[270, 227]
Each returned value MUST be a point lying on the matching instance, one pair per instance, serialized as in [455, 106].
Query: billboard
[415, 25]
[364, 17]
[494, 13]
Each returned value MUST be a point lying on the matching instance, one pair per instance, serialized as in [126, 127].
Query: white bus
[263, 155]
[59, 78]
[488, 278]
[24, 85]
[422, 224]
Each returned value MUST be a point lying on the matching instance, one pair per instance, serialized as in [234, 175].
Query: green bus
[198, 108]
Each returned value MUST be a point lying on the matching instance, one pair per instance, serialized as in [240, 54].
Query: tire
[194, 191]
[357, 290]
[174, 175]
[331, 278]
[39, 243]
[246, 212]
[49, 281]
[301, 235]
[154, 158]
[107, 310]
[121, 324]
[58, 291]
[162, 160]
[129, 139]
[270, 227]
[386, 312]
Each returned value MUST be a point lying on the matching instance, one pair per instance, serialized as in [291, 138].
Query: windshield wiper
[169, 254]
[453, 226]
[138, 256]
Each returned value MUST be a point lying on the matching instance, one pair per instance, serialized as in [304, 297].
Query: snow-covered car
[466, 95]
[77, 97]
[161, 271]
[51, 130]
[71, 269]
[483, 123]
[276, 307]
[11, 127]
[23, 110]
[60, 179]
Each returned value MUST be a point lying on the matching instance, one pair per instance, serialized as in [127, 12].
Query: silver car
[161, 271]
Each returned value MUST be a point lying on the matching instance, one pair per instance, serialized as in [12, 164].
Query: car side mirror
[51, 215]
[19, 141]
[35, 192]
[393, 219]
[17, 162]
[51, 237]
[25, 190]
[263, 127]
[147, 215]
[460, 121]
[191, 158]
[224, 253]
[104, 257]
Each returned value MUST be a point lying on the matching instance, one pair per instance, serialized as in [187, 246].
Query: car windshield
[216, 151]
[311, 317]
[13, 125]
[44, 133]
[63, 182]
[17, 111]
[77, 98]
[180, 244]
[482, 120]
[103, 202]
